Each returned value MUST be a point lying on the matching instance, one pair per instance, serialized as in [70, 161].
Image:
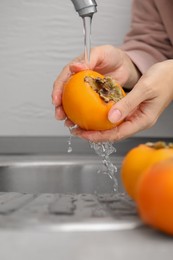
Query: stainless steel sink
[42, 185]
[42, 165]
[56, 205]
[61, 191]
[56, 174]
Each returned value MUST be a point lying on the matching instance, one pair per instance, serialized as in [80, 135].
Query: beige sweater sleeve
[147, 41]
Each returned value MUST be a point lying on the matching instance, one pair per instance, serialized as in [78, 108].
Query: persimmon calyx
[106, 87]
[159, 145]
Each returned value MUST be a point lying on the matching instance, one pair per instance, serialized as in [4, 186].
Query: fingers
[135, 123]
[57, 93]
[77, 66]
[127, 104]
[98, 62]
[68, 123]
[135, 109]
[94, 136]
[71, 68]
[58, 86]
[59, 113]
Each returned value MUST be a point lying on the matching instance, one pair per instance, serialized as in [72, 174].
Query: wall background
[37, 38]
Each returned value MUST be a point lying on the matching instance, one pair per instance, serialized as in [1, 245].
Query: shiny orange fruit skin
[154, 196]
[83, 106]
[137, 161]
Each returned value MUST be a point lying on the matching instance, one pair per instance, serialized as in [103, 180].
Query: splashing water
[104, 150]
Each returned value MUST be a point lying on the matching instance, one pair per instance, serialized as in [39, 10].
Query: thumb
[126, 105]
[78, 66]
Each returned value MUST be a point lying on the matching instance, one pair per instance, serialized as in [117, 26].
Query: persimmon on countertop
[87, 98]
[140, 158]
[154, 196]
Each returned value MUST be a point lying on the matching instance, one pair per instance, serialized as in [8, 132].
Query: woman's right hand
[140, 108]
[107, 60]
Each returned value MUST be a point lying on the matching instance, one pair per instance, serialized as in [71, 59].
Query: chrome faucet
[85, 7]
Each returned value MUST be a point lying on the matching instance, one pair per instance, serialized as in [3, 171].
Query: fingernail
[79, 64]
[114, 116]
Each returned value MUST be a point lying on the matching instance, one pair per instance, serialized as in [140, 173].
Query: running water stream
[102, 149]
[87, 20]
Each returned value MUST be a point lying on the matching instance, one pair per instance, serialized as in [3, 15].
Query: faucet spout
[85, 7]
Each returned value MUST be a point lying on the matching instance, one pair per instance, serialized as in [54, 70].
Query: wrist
[134, 74]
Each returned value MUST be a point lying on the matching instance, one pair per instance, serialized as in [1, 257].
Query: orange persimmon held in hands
[87, 98]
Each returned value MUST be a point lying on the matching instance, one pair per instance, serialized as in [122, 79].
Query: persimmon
[87, 98]
[154, 196]
[138, 159]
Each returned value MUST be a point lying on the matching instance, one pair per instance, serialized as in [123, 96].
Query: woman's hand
[106, 60]
[141, 107]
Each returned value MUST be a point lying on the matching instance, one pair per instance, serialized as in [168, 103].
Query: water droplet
[69, 149]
